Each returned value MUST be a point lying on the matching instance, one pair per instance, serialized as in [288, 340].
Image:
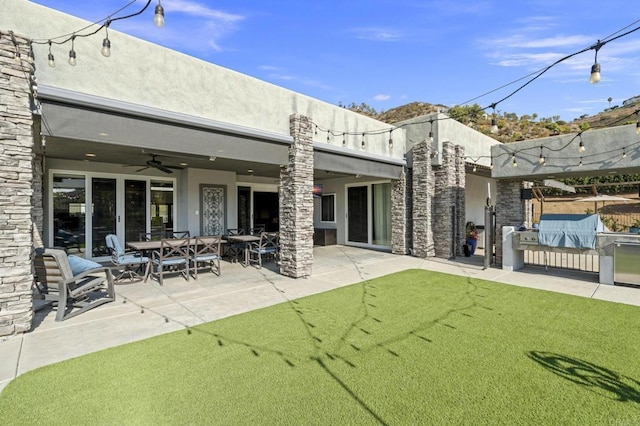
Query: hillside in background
[511, 126]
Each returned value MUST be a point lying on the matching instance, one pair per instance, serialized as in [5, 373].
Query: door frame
[120, 200]
[369, 185]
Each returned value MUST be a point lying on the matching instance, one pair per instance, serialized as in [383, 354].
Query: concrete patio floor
[144, 310]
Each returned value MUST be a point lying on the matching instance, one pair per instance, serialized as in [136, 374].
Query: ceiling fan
[157, 164]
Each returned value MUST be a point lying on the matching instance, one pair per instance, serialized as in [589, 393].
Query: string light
[390, 139]
[624, 153]
[50, 59]
[581, 147]
[344, 139]
[514, 164]
[491, 164]
[106, 43]
[328, 138]
[541, 160]
[158, 18]
[475, 167]
[595, 68]
[364, 142]
[494, 123]
[72, 52]
[580, 164]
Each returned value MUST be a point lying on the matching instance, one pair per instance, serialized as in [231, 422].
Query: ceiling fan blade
[144, 168]
[164, 169]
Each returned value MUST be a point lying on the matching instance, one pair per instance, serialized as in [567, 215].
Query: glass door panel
[244, 207]
[358, 218]
[69, 213]
[381, 212]
[161, 206]
[135, 209]
[103, 214]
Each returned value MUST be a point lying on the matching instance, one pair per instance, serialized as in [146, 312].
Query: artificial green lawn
[415, 347]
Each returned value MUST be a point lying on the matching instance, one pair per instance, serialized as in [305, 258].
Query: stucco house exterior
[151, 138]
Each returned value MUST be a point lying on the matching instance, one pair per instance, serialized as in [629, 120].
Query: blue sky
[387, 53]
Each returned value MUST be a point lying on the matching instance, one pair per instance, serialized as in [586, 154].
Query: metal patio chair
[131, 261]
[206, 251]
[72, 294]
[267, 247]
[172, 256]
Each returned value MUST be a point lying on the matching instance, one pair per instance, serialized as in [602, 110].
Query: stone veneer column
[423, 189]
[460, 179]
[510, 210]
[399, 215]
[16, 177]
[296, 202]
[448, 204]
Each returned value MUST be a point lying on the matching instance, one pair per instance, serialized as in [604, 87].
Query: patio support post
[423, 189]
[16, 180]
[399, 215]
[448, 229]
[511, 209]
[296, 201]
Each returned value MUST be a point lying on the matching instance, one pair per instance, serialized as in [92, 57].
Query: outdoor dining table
[243, 239]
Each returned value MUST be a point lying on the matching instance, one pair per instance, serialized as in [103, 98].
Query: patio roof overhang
[337, 160]
[75, 116]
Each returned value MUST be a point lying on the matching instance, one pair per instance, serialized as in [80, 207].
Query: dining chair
[131, 261]
[178, 234]
[267, 247]
[172, 256]
[235, 250]
[206, 251]
[257, 229]
[152, 236]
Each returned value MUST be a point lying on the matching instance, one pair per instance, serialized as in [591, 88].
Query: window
[328, 208]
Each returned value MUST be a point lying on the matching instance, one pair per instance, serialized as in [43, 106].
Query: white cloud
[377, 34]
[382, 97]
[199, 10]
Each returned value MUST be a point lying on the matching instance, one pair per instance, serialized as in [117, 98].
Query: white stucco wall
[476, 197]
[143, 73]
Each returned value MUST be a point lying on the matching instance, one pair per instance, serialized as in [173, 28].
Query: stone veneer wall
[510, 209]
[16, 177]
[449, 203]
[399, 215]
[423, 189]
[296, 202]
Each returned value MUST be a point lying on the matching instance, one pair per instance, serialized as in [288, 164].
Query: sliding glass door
[369, 214]
[86, 207]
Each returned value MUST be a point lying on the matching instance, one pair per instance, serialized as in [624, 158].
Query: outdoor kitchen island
[618, 253]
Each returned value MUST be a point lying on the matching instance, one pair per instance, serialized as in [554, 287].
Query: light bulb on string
[491, 164]
[106, 43]
[624, 153]
[72, 52]
[364, 142]
[581, 147]
[390, 139]
[494, 122]
[344, 139]
[158, 18]
[475, 167]
[50, 59]
[580, 164]
[541, 160]
[595, 68]
[514, 164]
[328, 138]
